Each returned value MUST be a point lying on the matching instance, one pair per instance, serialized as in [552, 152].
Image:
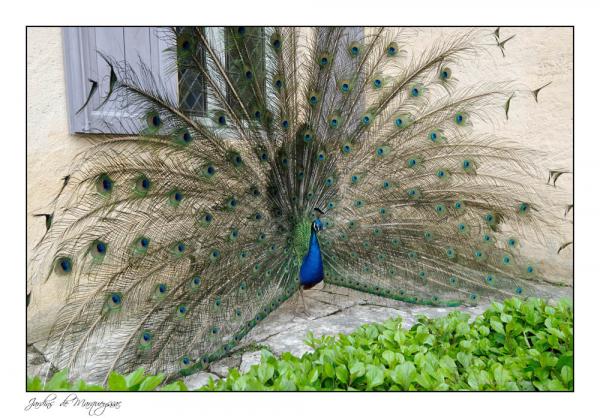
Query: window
[139, 46]
[245, 59]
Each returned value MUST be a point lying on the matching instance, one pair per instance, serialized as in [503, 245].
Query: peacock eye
[101, 247]
[104, 185]
[285, 124]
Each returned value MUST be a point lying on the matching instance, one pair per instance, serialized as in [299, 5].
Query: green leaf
[34, 384]
[464, 358]
[566, 374]
[501, 376]
[116, 381]
[134, 378]
[341, 373]
[389, 357]
[58, 382]
[448, 364]
[328, 370]
[265, 372]
[357, 369]
[313, 375]
[497, 326]
[374, 376]
[175, 386]
[285, 384]
[404, 374]
[151, 382]
[462, 328]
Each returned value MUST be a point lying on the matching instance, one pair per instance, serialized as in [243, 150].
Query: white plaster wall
[534, 57]
[50, 148]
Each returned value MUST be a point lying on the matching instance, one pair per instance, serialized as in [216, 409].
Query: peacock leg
[304, 310]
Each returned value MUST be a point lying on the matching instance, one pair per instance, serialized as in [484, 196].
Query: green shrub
[134, 381]
[516, 345]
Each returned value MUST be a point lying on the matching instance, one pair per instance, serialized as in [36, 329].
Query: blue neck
[311, 271]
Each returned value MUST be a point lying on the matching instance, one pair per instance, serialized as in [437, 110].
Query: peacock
[326, 154]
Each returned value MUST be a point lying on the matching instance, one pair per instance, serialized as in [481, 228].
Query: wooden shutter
[133, 45]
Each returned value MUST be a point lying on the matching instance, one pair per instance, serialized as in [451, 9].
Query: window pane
[245, 51]
[192, 86]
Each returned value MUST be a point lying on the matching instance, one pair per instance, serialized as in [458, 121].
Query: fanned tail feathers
[171, 243]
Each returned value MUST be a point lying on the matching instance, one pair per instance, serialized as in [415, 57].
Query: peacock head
[317, 224]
